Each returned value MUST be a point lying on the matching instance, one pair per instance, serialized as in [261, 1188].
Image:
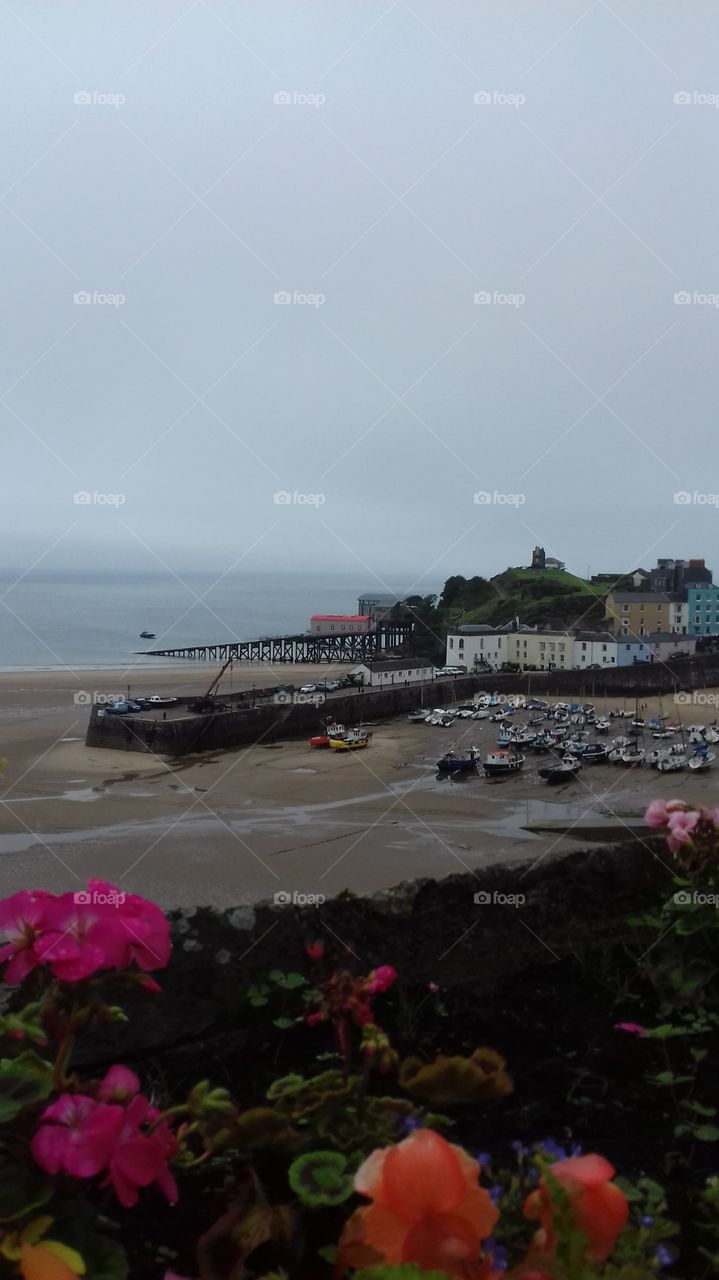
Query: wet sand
[240, 826]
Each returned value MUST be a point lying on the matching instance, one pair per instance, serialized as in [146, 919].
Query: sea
[93, 620]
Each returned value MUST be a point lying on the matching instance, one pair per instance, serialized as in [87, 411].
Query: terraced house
[639, 613]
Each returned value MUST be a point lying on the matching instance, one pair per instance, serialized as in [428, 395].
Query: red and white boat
[331, 730]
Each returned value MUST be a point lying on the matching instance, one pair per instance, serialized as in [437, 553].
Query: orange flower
[600, 1209]
[427, 1208]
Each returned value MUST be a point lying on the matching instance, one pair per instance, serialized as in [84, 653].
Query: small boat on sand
[451, 763]
[501, 762]
[332, 730]
[561, 772]
[353, 740]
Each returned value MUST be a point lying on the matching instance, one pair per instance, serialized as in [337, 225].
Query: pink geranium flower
[76, 1135]
[632, 1028]
[139, 1157]
[656, 814]
[119, 1085]
[142, 933]
[680, 828]
[82, 938]
[23, 923]
[381, 979]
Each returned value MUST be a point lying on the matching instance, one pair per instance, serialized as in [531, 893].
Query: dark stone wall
[575, 913]
[269, 721]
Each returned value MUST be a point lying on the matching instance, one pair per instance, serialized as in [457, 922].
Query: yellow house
[639, 613]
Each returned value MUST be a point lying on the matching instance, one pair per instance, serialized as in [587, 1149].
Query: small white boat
[670, 763]
[499, 762]
[602, 725]
[418, 716]
[711, 734]
[633, 755]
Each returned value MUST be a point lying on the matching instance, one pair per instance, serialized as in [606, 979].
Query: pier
[300, 648]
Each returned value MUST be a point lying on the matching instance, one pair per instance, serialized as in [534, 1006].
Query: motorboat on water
[452, 763]
[501, 762]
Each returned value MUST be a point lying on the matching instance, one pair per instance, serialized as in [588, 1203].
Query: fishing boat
[353, 740]
[148, 635]
[451, 763]
[561, 772]
[500, 762]
[331, 730]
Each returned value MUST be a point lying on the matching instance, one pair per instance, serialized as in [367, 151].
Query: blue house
[703, 610]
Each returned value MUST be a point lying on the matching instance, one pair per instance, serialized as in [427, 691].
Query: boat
[418, 716]
[670, 763]
[659, 734]
[542, 743]
[451, 763]
[711, 734]
[148, 635]
[332, 730]
[633, 755]
[353, 740]
[561, 772]
[500, 762]
[594, 753]
[701, 759]
[602, 725]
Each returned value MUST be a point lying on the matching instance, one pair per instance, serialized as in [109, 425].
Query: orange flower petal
[385, 1232]
[422, 1175]
[368, 1178]
[601, 1213]
[37, 1263]
[588, 1170]
[442, 1243]
[478, 1212]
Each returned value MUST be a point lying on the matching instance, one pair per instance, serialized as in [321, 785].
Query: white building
[386, 672]
[603, 649]
[339, 624]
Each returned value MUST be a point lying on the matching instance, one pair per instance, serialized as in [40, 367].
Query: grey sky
[581, 188]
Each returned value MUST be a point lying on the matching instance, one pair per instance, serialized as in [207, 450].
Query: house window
[451, 642]
[604, 648]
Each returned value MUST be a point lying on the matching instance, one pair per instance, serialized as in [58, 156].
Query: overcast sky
[148, 163]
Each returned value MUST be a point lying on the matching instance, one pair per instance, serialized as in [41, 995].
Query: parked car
[123, 707]
[309, 688]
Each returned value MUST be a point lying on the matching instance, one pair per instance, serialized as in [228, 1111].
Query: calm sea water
[95, 620]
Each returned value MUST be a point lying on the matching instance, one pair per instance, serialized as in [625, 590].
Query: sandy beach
[242, 825]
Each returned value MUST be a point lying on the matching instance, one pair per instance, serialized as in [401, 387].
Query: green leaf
[283, 1023]
[321, 1178]
[698, 1108]
[23, 1082]
[707, 1133]
[287, 981]
[285, 1086]
[21, 1191]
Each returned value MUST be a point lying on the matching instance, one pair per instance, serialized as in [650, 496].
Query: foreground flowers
[427, 1208]
[79, 934]
[600, 1209]
[125, 1137]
